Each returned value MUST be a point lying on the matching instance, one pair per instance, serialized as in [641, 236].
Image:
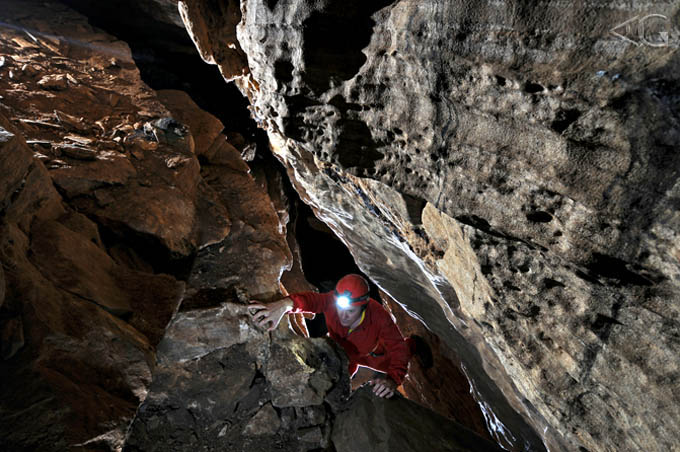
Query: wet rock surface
[516, 169]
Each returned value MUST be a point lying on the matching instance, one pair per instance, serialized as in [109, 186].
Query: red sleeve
[395, 347]
[311, 301]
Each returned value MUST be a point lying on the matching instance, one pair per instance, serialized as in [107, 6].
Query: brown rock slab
[37, 199]
[80, 179]
[156, 211]
[255, 252]
[77, 152]
[80, 267]
[15, 159]
[397, 424]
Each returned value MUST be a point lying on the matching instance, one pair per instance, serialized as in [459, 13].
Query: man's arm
[312, 301]
[396, 349]
[272, 313]
[269, 314]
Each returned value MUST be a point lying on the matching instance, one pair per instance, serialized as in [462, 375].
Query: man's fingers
[381, 388]
[260, 316]
[254, 308]
[386, 392]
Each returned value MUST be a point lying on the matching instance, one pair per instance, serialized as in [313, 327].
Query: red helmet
[351, 290]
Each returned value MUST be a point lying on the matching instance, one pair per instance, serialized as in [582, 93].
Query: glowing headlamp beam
[342, 301]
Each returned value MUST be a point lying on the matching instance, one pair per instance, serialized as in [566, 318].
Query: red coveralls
[375, 343]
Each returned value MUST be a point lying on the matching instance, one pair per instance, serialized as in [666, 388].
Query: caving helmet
[351, 290]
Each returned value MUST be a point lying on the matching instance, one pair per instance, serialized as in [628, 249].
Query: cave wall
[506, 171]
[132, 236]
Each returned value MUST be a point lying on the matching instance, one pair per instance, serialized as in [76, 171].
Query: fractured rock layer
[99, 185]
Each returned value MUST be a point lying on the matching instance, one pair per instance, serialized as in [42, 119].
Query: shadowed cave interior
[504, 177]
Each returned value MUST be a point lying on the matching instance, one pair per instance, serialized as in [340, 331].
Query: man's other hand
[268, 316]
[383, 387]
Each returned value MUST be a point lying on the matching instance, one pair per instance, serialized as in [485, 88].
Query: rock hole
[533, 88]
[550, 283]
[614, 268]
[509, 285]
[539, 216]
[283, 71]
[563, 119]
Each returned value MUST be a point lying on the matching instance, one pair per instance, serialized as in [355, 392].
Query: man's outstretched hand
[268, 316]
[383, 386]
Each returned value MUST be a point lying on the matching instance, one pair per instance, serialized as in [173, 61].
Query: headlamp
[345, 300]
[342, 301]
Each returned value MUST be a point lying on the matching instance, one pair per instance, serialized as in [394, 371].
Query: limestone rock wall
[507, 171]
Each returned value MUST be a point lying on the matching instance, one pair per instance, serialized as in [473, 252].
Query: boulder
[265, 422]
[397, 424]
[15, 159]
[78, 266]
[253, 391]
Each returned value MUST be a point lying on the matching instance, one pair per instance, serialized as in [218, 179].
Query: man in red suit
[364, 329]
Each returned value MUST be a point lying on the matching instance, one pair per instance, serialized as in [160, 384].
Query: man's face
[348, 316]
